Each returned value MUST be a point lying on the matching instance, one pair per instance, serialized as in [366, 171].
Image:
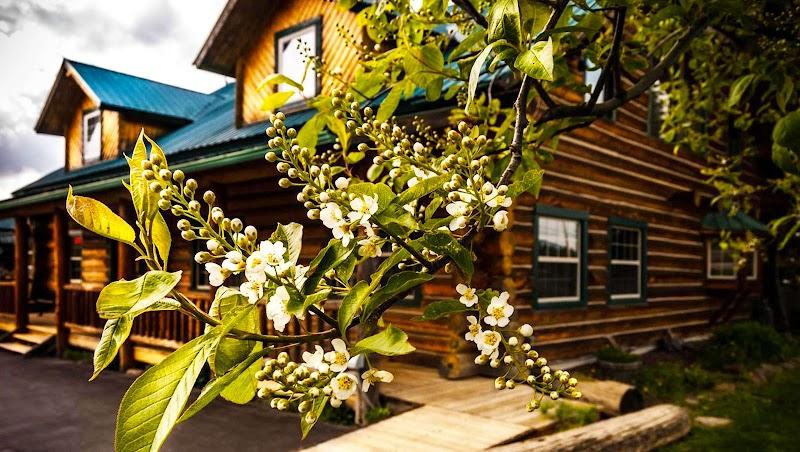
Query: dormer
[253, 39]
[100, 112]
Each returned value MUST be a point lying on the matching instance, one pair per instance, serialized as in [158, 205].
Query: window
[560, 256]
[720, 263]
[199, 273]
[91, 136]
[627, 258]
[657, 109]
[75, 256]
[292, 46]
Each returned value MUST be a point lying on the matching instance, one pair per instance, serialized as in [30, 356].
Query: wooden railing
[7, 297]
[168, 329]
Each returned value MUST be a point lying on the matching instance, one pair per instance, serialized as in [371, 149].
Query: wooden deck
[466, 414]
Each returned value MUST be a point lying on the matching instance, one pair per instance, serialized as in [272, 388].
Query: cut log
[612, 397]
[458, 365]
[641, 431]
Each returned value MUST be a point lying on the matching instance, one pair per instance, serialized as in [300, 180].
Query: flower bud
[184, 225]
[209, 197]
[237, 225]
[513, 341]
[163, 204]
[194, 206]
[500, 383]
[165, 174]
[188, 235]
[202, 257]
[284, 183]
[271, 156]
[147, 165]
[511, 384]
[178, 176]
[155, 187]
[251, 232]
[526, 330]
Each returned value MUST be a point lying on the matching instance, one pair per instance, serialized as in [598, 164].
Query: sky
[156, 39]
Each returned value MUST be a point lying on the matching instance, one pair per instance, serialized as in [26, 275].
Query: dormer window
[293, 46]
[91, 137]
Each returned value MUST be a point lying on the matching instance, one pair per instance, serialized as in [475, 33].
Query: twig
[470, 9]
[419, 257]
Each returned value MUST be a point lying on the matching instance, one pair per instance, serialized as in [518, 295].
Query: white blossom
[500, 221]
[343, 385]
[253, 290]
[499, 311]
[369, 247]
[216, 274]
[343, 233]
[255, 266]
[314, 360]
[277, 311]
[363, 209]
[497, 197]
[419, 176]
[234, 262]
[331, 215]
[339, 356]
[488, 341]
[459, 210]
[372, 376]
[468, 296]
[273, 252]
[342, 183]
[474, 328]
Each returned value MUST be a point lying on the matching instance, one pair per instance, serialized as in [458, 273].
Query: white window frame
[311, 73]
[637, 263]
[562, 260]
[75, 233]
[753, 275]
[84, 136]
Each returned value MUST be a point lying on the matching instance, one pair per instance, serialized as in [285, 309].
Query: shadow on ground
[48, 405]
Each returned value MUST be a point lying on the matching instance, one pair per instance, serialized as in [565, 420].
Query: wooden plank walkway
[467, 414]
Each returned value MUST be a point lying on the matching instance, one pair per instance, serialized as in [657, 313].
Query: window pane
[624, 279]
[91, 137]
[75, 254]
[557, 280]
[624, 244]
[557, 237]
[199, 274]
[292, 63]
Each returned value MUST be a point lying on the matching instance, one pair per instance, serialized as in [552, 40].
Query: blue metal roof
[116, 90]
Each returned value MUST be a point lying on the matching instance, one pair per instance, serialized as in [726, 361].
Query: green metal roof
[739, 222]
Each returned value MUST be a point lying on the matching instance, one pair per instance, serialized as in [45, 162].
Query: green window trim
[582, 217]
[641, 226]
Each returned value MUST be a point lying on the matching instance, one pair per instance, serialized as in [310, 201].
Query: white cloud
[156, 39]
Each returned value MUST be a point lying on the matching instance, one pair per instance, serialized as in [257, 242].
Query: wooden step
[44, 329]
[32, 337]
[16, 347]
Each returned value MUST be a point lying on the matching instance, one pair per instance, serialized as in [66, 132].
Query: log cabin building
[619, 248]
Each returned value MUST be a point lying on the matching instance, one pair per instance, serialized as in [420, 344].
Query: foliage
[673, 381]
[745, 344]
[615, 355]
[571, 415]
[377, 413]
[418, 205]
[760, 414]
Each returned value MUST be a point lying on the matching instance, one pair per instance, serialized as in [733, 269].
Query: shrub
[673, 381]
[615, 355]
[745, 344]
[377, 413]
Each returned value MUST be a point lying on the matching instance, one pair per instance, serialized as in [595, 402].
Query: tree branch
[469, 8]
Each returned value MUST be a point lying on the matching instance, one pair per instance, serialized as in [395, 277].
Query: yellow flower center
[490, 339]
[474, 329]
[256, 262]
[273, 259]
[340, 358]
[498, 312]
[469, 293]
[344, 384]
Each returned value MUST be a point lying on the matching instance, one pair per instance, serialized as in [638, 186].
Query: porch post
[60, 271]
[21, 235]
[125, 269]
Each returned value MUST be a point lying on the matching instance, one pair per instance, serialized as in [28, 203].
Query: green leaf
[787, 132]
[242, 389]
[277, 79]
[423, 64]
[504, 22]
[292, 237]
[329, 257]
[114, 334]
[354, 157]
[229, 352]
[351, 304]
[276, 100]
[439, 309]
[531, 182]
[161, 237]
[390, 262]
[390, 103]
[308, 135]
[443, 243]
[738, 89]
[534, 16]
[315, 412]
[389, 342]
[215, 387]
[98, 218]
[138, 186]
[152, 404]
[467, 43]
[785, 159]
[135, 296]
[475, 72]
[422, 188]
[338, 127]
[537, 62]
[397, 284]
[784, 95]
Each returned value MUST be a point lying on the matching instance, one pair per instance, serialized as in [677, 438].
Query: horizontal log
[613, 397]
[641, 431]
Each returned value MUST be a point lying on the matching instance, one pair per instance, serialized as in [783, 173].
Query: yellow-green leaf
[276, 100]
[136, 296]
[161, 237]
[351, 304]
[389, 342]
[98, 218]
[277, 79]
[537, 62]
[114, 334]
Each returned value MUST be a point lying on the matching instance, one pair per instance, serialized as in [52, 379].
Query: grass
[764, 418]
[570, 415]
[673, 381]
